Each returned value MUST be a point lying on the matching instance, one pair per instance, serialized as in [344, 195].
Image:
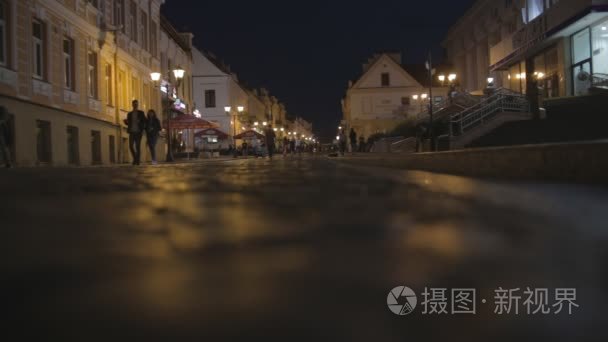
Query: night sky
[305, 52]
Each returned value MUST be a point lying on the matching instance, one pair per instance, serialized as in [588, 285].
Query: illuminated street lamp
[155, 76]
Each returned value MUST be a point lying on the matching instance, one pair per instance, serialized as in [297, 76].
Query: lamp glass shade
[227, 108]
[155, 76]
[240, 109]
[179, 73]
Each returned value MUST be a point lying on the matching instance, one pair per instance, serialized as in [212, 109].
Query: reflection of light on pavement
[442, 239]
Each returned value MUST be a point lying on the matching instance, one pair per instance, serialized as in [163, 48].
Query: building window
[122, 84]
[600, 48]
[92, 74]
[405, 101]
[68, 63]
[43, 142]
[73, 150]
[133, 20]
[108, 85]
[38, 49]
[135, 94]
[4, 37]
[386, 79]
[581, 61]
[153, 42]
[119, 15]
[94, 3]
[209, 98]
[535, 9]
[146, 97]
[143, 30]
[112, 149]
[96, 147]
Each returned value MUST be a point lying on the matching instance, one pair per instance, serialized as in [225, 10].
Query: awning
[189, 122]
[212, 132]
[249, 135]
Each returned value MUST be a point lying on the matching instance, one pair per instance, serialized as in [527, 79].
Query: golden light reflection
[442, 239]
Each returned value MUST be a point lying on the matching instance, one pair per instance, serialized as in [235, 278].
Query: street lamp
[155, 76]
[178, 73]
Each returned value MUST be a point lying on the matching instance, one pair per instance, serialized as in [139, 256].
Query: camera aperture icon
[402, 300]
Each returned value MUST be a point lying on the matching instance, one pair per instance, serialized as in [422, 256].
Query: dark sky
[305, 52]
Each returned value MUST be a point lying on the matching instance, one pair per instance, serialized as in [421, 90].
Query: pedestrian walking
[342, 142]
[4, 137]
[361, 144]
[136, 125]
[244, 147]
[292, 146]
[285, 146]
[271, 137]
[153, 129]
[353, 140]
[298, 146]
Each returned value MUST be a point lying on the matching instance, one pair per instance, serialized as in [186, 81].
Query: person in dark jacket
[136, 125]
[4, 137]
[353, 140]
[153, 128]
[271, 138]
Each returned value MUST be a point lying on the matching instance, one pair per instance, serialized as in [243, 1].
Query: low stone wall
[575, 162]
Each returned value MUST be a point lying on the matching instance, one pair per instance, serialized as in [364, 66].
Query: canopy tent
[212, 132]
[189, 122]
[250, 134]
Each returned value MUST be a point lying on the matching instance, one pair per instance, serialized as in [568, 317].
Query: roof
[421, 74]
[165, 25]
[417, 71]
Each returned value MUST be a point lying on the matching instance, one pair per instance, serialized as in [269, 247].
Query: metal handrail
[599, 80]
[444, 104]
[503, 100]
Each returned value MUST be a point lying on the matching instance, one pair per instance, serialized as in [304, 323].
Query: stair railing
[503, 100]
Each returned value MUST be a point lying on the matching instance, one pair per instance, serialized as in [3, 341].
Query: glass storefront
[589, 56]
[600, 48]
[581, 62]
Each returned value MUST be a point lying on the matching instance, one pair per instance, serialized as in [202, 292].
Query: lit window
[535, 9]
[92, 74]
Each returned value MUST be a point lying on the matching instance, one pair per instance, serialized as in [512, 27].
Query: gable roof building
[386, 94]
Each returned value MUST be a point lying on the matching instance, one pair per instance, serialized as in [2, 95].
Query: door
[581, 76]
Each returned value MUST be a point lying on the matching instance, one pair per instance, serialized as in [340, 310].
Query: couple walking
[137, 123]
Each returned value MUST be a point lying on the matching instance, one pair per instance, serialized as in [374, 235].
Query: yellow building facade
[69, 71]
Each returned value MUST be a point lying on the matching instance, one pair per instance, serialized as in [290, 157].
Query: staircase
[501, 107]
[444, 109]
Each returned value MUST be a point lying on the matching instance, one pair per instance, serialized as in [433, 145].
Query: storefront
[589, 56]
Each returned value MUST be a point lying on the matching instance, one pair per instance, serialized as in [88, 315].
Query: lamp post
[178, 73]
[239, 111]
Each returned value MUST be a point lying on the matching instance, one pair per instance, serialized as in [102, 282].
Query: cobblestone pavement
[306, 248]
